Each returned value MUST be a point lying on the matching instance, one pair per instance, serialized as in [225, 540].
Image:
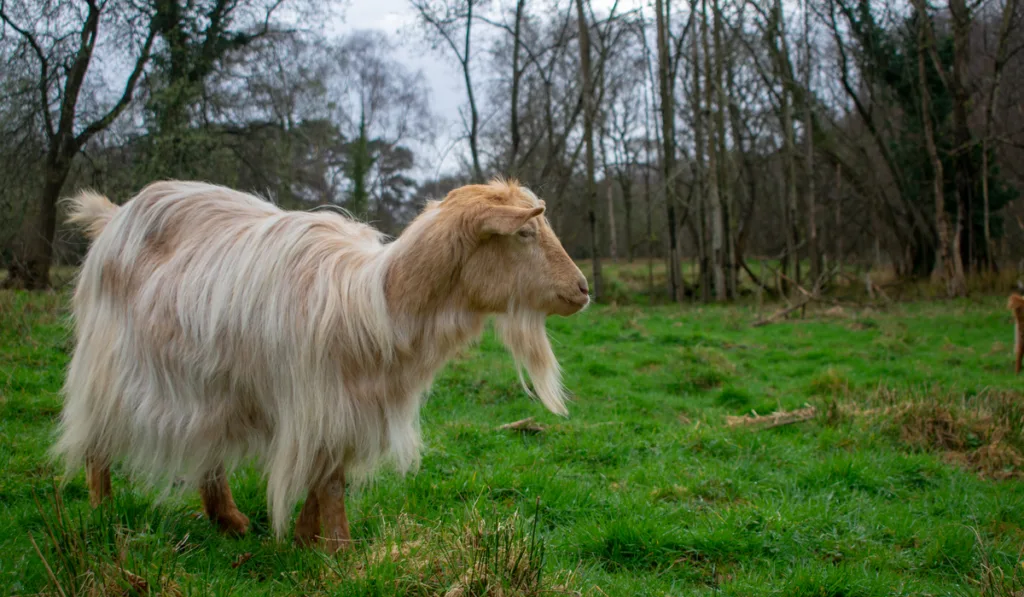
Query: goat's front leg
[325, 510]
[220, 504]
[97, 476]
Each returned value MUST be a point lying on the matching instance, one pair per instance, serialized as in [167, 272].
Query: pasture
[902, 480]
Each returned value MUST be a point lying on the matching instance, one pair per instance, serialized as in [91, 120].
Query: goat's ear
[505, 219]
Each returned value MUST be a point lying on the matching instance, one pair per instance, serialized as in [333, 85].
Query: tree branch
[126, 97]
[44, 70]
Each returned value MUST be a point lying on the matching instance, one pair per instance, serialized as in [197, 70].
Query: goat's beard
[524, 334]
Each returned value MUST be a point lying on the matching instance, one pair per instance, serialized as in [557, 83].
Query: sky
[447, 91]
[397, 18]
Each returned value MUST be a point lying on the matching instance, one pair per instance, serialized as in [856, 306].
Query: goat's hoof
[305, 538]
[333, 545]
[232, 523]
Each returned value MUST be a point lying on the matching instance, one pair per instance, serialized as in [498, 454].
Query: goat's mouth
[577, 301]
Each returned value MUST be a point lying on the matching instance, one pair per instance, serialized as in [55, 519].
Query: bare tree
[61, 70]
[949, 258]
[713, 198]
[1001, 58]
[589, 115]
[813, 251]
[447, 21]
[668, 133]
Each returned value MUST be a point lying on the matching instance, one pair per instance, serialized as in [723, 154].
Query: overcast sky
[397, 18]
[447, 91]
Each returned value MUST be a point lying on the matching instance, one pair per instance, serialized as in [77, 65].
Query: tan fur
[219, 504]
[1016, 305]
[214, 327]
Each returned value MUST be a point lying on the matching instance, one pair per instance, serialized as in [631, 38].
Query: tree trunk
[717, 224]
[474, 126]
[789, 158]
[650, 229]
[742, 224]
[1001, 57]
[813, 252]
[516, 75]
[31, 269]
[724, 171]
[627, 207]
[837, 233]
[952, 275]
[964, 242]
[613, 248]
[668, 139]
[784, 69]
[697, 106]
[589, 111]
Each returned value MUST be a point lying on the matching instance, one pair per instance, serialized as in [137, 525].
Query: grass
[906, 481]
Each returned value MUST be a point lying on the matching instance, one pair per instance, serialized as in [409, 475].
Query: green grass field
[904, 480]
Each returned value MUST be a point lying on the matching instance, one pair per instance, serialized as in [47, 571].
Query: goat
[212, 326]
[1016, 306]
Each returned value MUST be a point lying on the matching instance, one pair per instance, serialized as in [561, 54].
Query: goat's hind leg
[97, 476]
[325, 510]
[307, 526]
[219, 504]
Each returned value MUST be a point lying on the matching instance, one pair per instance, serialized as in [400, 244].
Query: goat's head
[516, 260]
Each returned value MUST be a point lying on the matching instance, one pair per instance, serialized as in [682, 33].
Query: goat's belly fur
[208, 334]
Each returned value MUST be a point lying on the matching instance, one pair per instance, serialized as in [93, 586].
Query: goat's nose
[583, 285]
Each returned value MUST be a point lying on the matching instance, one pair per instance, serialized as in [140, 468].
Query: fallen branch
[776, 419]
[526, 425]
[758, 281]
[782, 313]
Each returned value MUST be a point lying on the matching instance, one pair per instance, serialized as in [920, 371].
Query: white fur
[256, 333]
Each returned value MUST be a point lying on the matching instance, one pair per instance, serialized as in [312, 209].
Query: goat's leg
[97, 476]
[330, 495]
[220, 505]
[307, 527]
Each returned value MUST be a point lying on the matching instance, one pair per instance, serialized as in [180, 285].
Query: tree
[666, 89]
[999, 64]
[589, 115]
[381, 103]
[197, 36]
[949, 259]
[59, 46]
[445, 22]
[813, 250]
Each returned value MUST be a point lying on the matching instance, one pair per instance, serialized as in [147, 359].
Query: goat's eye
[525, 232]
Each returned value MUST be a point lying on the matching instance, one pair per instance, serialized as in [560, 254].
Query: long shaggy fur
[91, 212]
[213, 326]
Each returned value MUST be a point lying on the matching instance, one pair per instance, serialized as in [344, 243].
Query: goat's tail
[91, 212]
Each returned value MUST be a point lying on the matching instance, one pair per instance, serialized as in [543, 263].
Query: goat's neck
[431, 312]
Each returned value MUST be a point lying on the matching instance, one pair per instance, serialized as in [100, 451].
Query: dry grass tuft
[86, 558]
[483, 557]
[830, 382]
[983, 432]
